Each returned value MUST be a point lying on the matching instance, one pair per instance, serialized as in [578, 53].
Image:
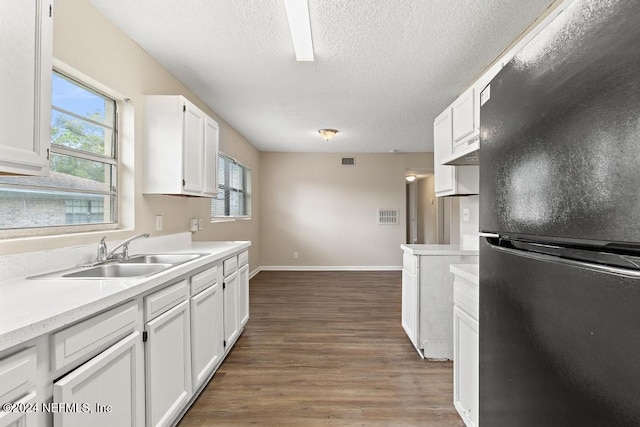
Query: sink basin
[136, 266]
[119, 270]
[161, 258]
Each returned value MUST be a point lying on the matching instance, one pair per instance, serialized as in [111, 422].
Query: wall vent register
[387, 216]
[348, 161]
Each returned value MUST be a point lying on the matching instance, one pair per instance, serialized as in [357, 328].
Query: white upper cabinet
[463, 117]
[25, 105]
[181, 148]
[450, 180]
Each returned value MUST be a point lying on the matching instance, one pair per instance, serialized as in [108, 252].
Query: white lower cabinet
[410, 313]
[105, 391]
[168, 358]
[466, 344]
[20, 418]
[141, 362]
[18, 378]
[466, 347]
[243, 294]
[207, 335]
[231, 321]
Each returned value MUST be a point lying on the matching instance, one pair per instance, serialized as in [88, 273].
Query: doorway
[430, 219]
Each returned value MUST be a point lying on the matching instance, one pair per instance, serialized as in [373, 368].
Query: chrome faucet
[103, 255]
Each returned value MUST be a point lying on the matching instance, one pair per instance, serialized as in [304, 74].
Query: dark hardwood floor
[326, 348]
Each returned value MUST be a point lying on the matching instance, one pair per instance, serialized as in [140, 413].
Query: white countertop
[470, 272]
[437, 250]
[33, 307]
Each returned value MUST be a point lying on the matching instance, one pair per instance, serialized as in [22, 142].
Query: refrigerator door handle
[629, 272]
[492, 235]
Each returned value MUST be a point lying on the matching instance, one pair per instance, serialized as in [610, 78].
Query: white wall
[89, 43]
[328, 212]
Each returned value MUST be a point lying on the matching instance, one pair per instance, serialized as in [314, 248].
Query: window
[234, 190]
[81, 188]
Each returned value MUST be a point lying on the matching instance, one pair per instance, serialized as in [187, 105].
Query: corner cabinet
[25, 106]
[450, 180]
[181, 148]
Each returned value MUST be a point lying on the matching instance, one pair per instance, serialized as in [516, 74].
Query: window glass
[81, 187]
[234, 190]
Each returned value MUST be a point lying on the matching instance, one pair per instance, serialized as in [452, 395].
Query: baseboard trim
[330, 268]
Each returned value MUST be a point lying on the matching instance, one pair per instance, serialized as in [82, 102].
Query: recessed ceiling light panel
[300, 26]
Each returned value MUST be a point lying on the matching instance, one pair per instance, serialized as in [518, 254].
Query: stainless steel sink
[133, 267]
[119, 270]
[161, 258]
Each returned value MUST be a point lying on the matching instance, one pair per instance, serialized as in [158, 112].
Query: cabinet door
[442, 148]
[193, 168]
[243, 294]
[463, 115]
[410, 306]
[21, 419]
[108, 389]
[168, 365]
[25, 104]
[231, 320]
[465, 366]
[206, 332]
[211, 139]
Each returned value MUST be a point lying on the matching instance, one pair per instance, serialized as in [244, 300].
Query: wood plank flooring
[326, 349]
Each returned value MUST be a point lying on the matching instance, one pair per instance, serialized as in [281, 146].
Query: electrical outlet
[465, 214]
[158, 222]
[193, 225]
[200, 224]
[295, 255]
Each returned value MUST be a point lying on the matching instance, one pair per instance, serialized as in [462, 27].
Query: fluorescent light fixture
[298, 16]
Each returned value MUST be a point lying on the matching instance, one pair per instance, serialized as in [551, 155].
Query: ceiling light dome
[327, 134]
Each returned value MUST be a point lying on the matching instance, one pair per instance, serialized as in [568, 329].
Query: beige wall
[328, 212]
[87, 42]
[427, 211]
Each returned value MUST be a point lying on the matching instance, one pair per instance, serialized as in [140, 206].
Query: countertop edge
[437, 250]
[470, 272]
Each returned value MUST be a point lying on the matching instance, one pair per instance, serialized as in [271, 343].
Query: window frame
[93, 86]
[246, 191]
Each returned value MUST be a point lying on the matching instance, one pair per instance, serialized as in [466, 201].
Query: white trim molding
[331, 268]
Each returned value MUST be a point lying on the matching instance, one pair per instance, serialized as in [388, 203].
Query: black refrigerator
[560, 225]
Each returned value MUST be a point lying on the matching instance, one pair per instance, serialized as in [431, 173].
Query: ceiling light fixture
[300, 27]
[327, 134]
[410, 178]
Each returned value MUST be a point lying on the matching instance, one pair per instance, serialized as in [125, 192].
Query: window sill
[229, 218]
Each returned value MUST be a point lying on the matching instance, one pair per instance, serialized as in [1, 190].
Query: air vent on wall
[387, 216]
[348, 161]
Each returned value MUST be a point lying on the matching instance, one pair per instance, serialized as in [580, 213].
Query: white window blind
[234, 190]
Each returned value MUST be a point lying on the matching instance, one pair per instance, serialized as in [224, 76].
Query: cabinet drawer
[93, 335]
[165, 299]
[203, 280]
[243, 258]
[17, 374]
[466, 296]
[409, 263]
[230, 266]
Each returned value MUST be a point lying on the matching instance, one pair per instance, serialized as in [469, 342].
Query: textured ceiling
[383, 70]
